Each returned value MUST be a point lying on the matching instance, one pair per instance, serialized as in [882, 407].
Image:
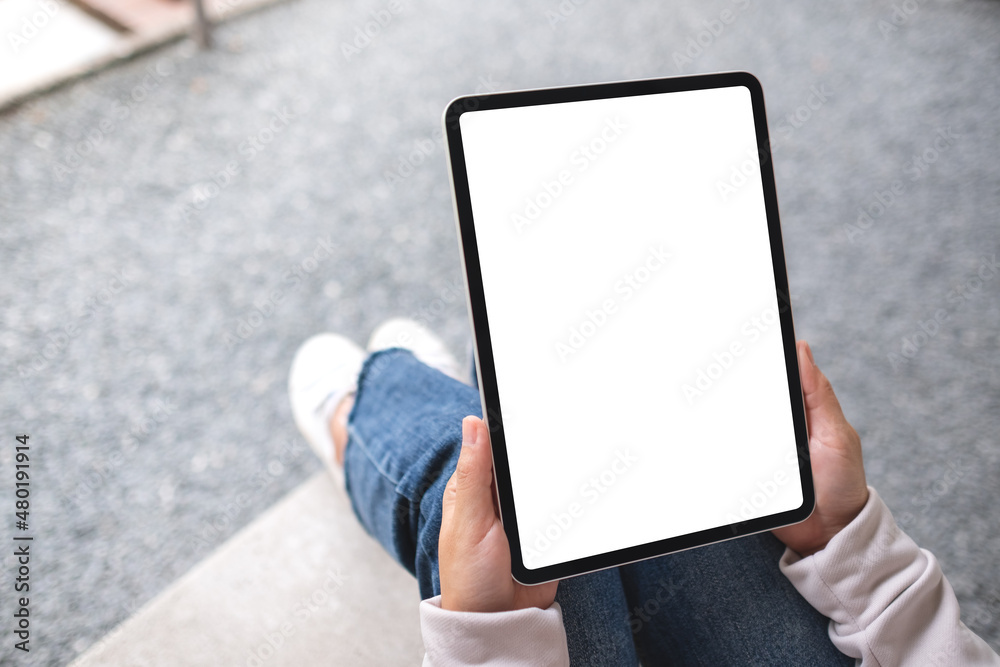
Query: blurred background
[175, 224]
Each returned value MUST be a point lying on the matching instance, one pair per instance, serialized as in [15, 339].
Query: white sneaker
[324, 372]
[427, 347]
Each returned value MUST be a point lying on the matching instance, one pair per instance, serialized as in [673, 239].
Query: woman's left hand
[473, 553]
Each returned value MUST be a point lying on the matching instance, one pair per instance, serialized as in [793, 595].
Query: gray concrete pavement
[171, 229]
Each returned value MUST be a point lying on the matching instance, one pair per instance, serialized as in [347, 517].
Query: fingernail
[468, 432]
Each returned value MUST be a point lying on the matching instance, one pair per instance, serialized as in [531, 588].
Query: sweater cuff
[523, 637]
[859, 568]
[888, 602]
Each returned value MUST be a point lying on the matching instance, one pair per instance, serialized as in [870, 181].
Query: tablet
[629, 301]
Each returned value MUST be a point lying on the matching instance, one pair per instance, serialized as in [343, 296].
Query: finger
[473, 494]
[466, 464]
[821, 402]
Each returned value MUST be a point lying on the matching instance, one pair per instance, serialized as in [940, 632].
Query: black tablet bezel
[492, 411]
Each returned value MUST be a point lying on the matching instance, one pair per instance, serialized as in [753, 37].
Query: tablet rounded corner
[749, 80]
[525, 576]
[456, 107]
[808, 506]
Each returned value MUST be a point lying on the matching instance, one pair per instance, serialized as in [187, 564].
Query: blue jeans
[726, 603]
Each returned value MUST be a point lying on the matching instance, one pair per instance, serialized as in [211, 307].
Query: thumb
[823, 411]
[473, 494]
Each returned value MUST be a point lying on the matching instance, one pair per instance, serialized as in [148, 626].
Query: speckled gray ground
[159, 422]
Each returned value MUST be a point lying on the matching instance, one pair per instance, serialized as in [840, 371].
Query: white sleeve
[529, 637]
[887, 600]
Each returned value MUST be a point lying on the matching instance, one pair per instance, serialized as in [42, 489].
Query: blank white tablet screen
[631, 302]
